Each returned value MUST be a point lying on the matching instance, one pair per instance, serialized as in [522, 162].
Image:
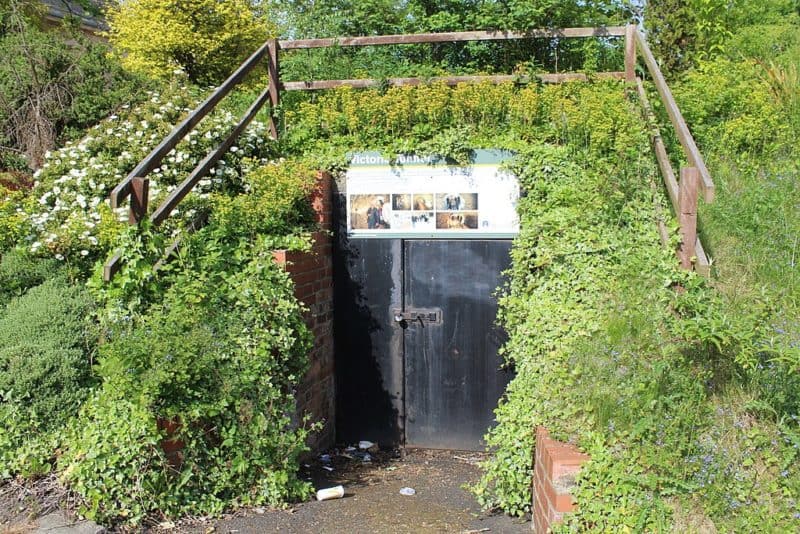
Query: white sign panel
[420, 196]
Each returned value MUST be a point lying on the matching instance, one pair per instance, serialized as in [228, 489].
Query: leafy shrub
[275, 203]
[215, 344]
[19, 271]
[13, 221]
[407, 118]
[221, 355]
[728, 106]
[45, 361]
[205, 38]
[580, 237]
[71, 218]
[47, 350]
[53, 83]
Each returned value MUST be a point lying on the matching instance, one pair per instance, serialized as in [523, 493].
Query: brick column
[555, 466]
[312, 274]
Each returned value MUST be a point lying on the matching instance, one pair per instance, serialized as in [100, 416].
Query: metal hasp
[418, 316]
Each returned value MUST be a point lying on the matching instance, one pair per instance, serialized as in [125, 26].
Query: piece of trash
[327, 468]
[336, 492]
[366, 458]
[408, 492]
[349, 449]
[166, 525]
[325, 458]
[363, 445]
[391, 468]
[260, 510]
[345, 455]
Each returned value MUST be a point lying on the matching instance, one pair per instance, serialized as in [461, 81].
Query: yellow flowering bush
[205, 38]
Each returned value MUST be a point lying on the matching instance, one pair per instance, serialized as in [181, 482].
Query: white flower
[59, 257]
[84, 252]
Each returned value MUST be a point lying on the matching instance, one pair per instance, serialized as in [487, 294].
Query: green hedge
[45, 371]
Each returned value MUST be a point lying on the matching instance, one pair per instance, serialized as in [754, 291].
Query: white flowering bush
[71, 218]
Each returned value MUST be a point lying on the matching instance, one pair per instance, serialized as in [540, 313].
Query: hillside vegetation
[684, 391]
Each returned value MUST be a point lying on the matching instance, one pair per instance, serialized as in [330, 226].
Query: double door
[417, 341]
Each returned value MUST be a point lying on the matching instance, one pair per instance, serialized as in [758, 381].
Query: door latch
[421, 316]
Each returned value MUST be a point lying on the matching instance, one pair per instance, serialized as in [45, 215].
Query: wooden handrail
[154, 158]
[112, 266]
[203, 168]
[702, 265]
[681, 129]
[450, 37]
[362, 83]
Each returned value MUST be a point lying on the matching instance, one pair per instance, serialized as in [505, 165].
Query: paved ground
[373, 503]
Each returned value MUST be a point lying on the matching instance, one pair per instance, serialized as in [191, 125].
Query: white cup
[330, 493]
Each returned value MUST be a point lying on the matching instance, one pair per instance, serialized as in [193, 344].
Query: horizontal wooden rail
[362, 83]
[450, 37]
[681, 129]
[670, 181]
[154, 158]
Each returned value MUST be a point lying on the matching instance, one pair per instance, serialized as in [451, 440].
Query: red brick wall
[555, 466]
[312, 274]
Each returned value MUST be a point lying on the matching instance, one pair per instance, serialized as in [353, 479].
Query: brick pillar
[312, 274]
[555, 466]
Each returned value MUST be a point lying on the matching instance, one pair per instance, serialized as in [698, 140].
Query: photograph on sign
[412, 220]
[423, 201]
[457, 220]
[369, 212]
[401, 202]
[456, 201]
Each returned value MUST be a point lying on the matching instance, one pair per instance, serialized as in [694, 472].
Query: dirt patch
[372, 502]
[21, 502]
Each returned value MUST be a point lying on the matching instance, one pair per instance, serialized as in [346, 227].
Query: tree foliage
[331, 18]
[682, 32]
[51, 83]
[205, 38]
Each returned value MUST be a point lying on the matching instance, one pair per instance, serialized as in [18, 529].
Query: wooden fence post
[273, 68]
[630, 53]
[140, 191]
[687, 201]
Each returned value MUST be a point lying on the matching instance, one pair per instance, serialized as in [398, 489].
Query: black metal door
[452, 372]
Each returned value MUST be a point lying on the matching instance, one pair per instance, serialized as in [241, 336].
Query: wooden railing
[683, 193]
[135, 185]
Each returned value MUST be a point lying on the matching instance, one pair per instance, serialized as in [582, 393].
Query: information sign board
[417, 196]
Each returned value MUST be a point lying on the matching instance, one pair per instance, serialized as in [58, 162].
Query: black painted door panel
[453, 375]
